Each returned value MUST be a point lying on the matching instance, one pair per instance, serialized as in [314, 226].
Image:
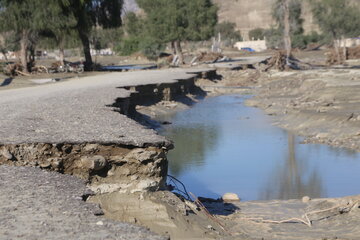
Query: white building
[257, 45]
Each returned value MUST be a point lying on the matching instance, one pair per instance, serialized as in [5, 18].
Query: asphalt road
[37, 204]
[77, 111]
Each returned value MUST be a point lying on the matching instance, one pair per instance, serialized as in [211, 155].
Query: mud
[162, 212]
[317, 219]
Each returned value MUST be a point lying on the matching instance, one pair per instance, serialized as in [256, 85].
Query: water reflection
[223, 146]
[192, 145]
[293, 180]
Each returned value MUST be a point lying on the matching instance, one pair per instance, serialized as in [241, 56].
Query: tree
[59, 24]
[175, 21]
[338, 18]
[287, 15]
[91, 13]
[8, 42]
[58, 18]
[287, 37]
[257, 33]
[18, 16]
[227, 32]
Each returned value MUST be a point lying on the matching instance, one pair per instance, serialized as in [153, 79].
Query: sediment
[321, 105]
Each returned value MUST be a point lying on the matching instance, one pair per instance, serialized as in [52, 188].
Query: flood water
[224, 146]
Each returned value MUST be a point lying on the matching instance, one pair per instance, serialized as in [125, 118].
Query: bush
[128, 46]
[257, 33]
[151, 48]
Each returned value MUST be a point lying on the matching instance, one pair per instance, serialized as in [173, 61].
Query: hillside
[250, 14]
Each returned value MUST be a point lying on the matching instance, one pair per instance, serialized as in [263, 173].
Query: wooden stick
[22, 73]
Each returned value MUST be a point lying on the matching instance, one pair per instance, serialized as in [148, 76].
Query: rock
[146, 185]
[90, 147]
[141, 155]
[230, 197]
[306, 199]
[45, 165]
[56, 162]
[322, 135]
[96, 162]
[210, 227]
[7, 154]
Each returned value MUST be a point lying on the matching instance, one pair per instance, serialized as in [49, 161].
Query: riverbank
[321, 105]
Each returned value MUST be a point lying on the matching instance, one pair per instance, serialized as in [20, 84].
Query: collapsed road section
[75, 127]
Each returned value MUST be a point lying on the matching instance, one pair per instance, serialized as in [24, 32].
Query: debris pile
[344, 54]
[212, 57]
[353, 53]
[209, 57]
[333, 58]
[280, 62]
[14, 69]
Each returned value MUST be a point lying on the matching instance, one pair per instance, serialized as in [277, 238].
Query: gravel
[37, 204]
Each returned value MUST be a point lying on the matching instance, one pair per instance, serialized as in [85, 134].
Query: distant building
[257, 45]
[350, 42]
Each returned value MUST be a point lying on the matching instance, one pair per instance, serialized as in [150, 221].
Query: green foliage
[337, 17]
[102, 38]
[295, 10]
[9, 41]
[138, 38]
[257, 33]
[134, 25]
[275, 35]
[128, 46]
[227, 31]
[151, 48]
[183, 20]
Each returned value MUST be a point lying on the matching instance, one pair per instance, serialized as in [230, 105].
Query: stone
[7, 154]
[141, 155]
[96, 162]
[45, 165]
[306, 199]
[146, 185]
[90, 147]
[322, 135]
[56, 162]
[230, 197]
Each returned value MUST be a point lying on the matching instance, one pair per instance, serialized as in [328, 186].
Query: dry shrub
[332, 57]
[353, 53]
[13, 69]
[209, 57]
[278, 62]
[349, 53]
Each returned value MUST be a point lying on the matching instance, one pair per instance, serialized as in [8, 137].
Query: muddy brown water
[224, 146]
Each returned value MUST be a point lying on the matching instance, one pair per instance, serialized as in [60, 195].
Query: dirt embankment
[321, 105]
